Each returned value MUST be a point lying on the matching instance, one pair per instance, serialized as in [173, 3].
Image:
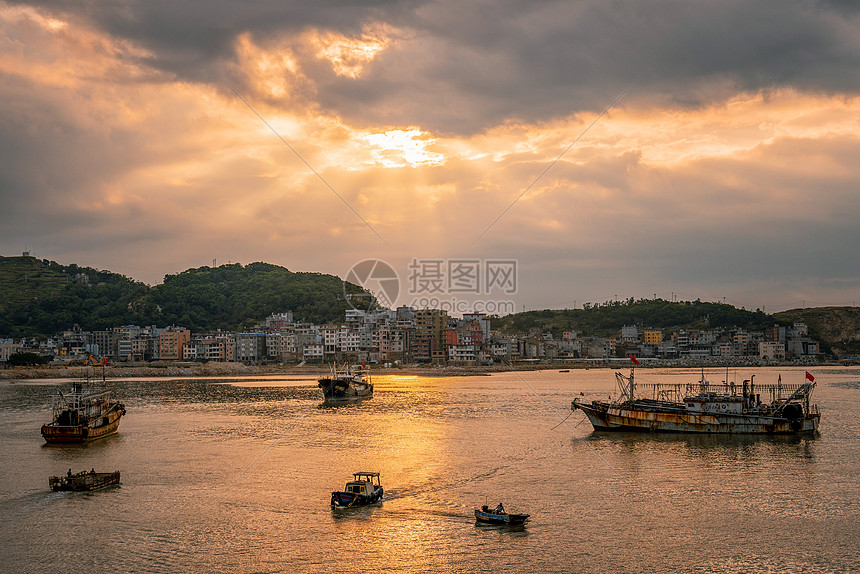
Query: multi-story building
[775, 334]
[462, 354]
[430, 326]
[134, 350]
[629, 334]
[771, 350]
[106, 342]
[313, 352]
[279, 321]
[652, 336]
[75, 343]
[208, 348]
[128, 331]
[251, 348]
[9, 347]
[802, 347]
[171, 343]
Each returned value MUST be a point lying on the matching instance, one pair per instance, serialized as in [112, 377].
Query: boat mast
[632, 384]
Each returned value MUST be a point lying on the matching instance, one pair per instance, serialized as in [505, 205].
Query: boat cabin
[715, 403]
[357, 487]
[363, 483]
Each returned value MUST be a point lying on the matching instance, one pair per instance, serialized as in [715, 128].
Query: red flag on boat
[633, 358]
[810, 377]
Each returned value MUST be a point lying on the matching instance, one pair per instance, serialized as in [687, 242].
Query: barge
[83, 481]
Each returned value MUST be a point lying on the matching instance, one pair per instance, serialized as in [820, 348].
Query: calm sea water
[236, 476]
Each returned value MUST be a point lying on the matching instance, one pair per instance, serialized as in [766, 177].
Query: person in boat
[500, 509]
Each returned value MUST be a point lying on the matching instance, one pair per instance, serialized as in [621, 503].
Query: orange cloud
[189, 168]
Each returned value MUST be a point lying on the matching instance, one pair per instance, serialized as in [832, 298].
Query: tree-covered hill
[836, 328]
[41, 297]
[607, 319]
[233, 296]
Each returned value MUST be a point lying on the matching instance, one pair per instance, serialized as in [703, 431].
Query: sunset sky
[147, 137]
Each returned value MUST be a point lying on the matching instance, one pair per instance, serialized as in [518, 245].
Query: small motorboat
[83, 481]
[499, 516]
[364, 489]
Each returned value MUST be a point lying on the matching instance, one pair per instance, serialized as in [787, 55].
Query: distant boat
[348, 384]
[83, 415]
[703, 407]
[83, 481]
[364, 489]
[499, 516]
[565, 371]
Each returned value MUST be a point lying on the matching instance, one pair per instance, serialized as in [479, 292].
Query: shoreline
[165, 370]
[234, 369]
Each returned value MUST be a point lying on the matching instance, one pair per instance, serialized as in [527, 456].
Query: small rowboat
[489, 516]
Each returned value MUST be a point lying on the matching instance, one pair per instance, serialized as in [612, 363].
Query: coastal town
[409, 336]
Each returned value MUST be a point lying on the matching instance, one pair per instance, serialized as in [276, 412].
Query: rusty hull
[59, 434]
[645, 418]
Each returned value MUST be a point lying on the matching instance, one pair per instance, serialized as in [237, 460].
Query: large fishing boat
[351, 383]
[86, 413]
[704, 407]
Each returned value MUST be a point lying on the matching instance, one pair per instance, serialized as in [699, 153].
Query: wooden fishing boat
[83, 481]
[86, 413]
[345, 385]
[704, 407]
[365, 488]
[499, 516]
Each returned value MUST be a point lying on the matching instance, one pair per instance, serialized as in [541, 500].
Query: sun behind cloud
[399, 148]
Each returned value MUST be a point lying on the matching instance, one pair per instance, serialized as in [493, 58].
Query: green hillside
[41, 297]
[836, 327]
[607, 319]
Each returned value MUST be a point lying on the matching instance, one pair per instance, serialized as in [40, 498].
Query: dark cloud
[490, 62]
[463, 66]
[193, 39]
[121, 155]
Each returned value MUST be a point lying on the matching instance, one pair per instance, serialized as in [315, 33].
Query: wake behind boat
[86, 413]
[351, 383]
[703, 407]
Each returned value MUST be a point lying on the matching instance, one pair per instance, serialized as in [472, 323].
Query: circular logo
[378, 279]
